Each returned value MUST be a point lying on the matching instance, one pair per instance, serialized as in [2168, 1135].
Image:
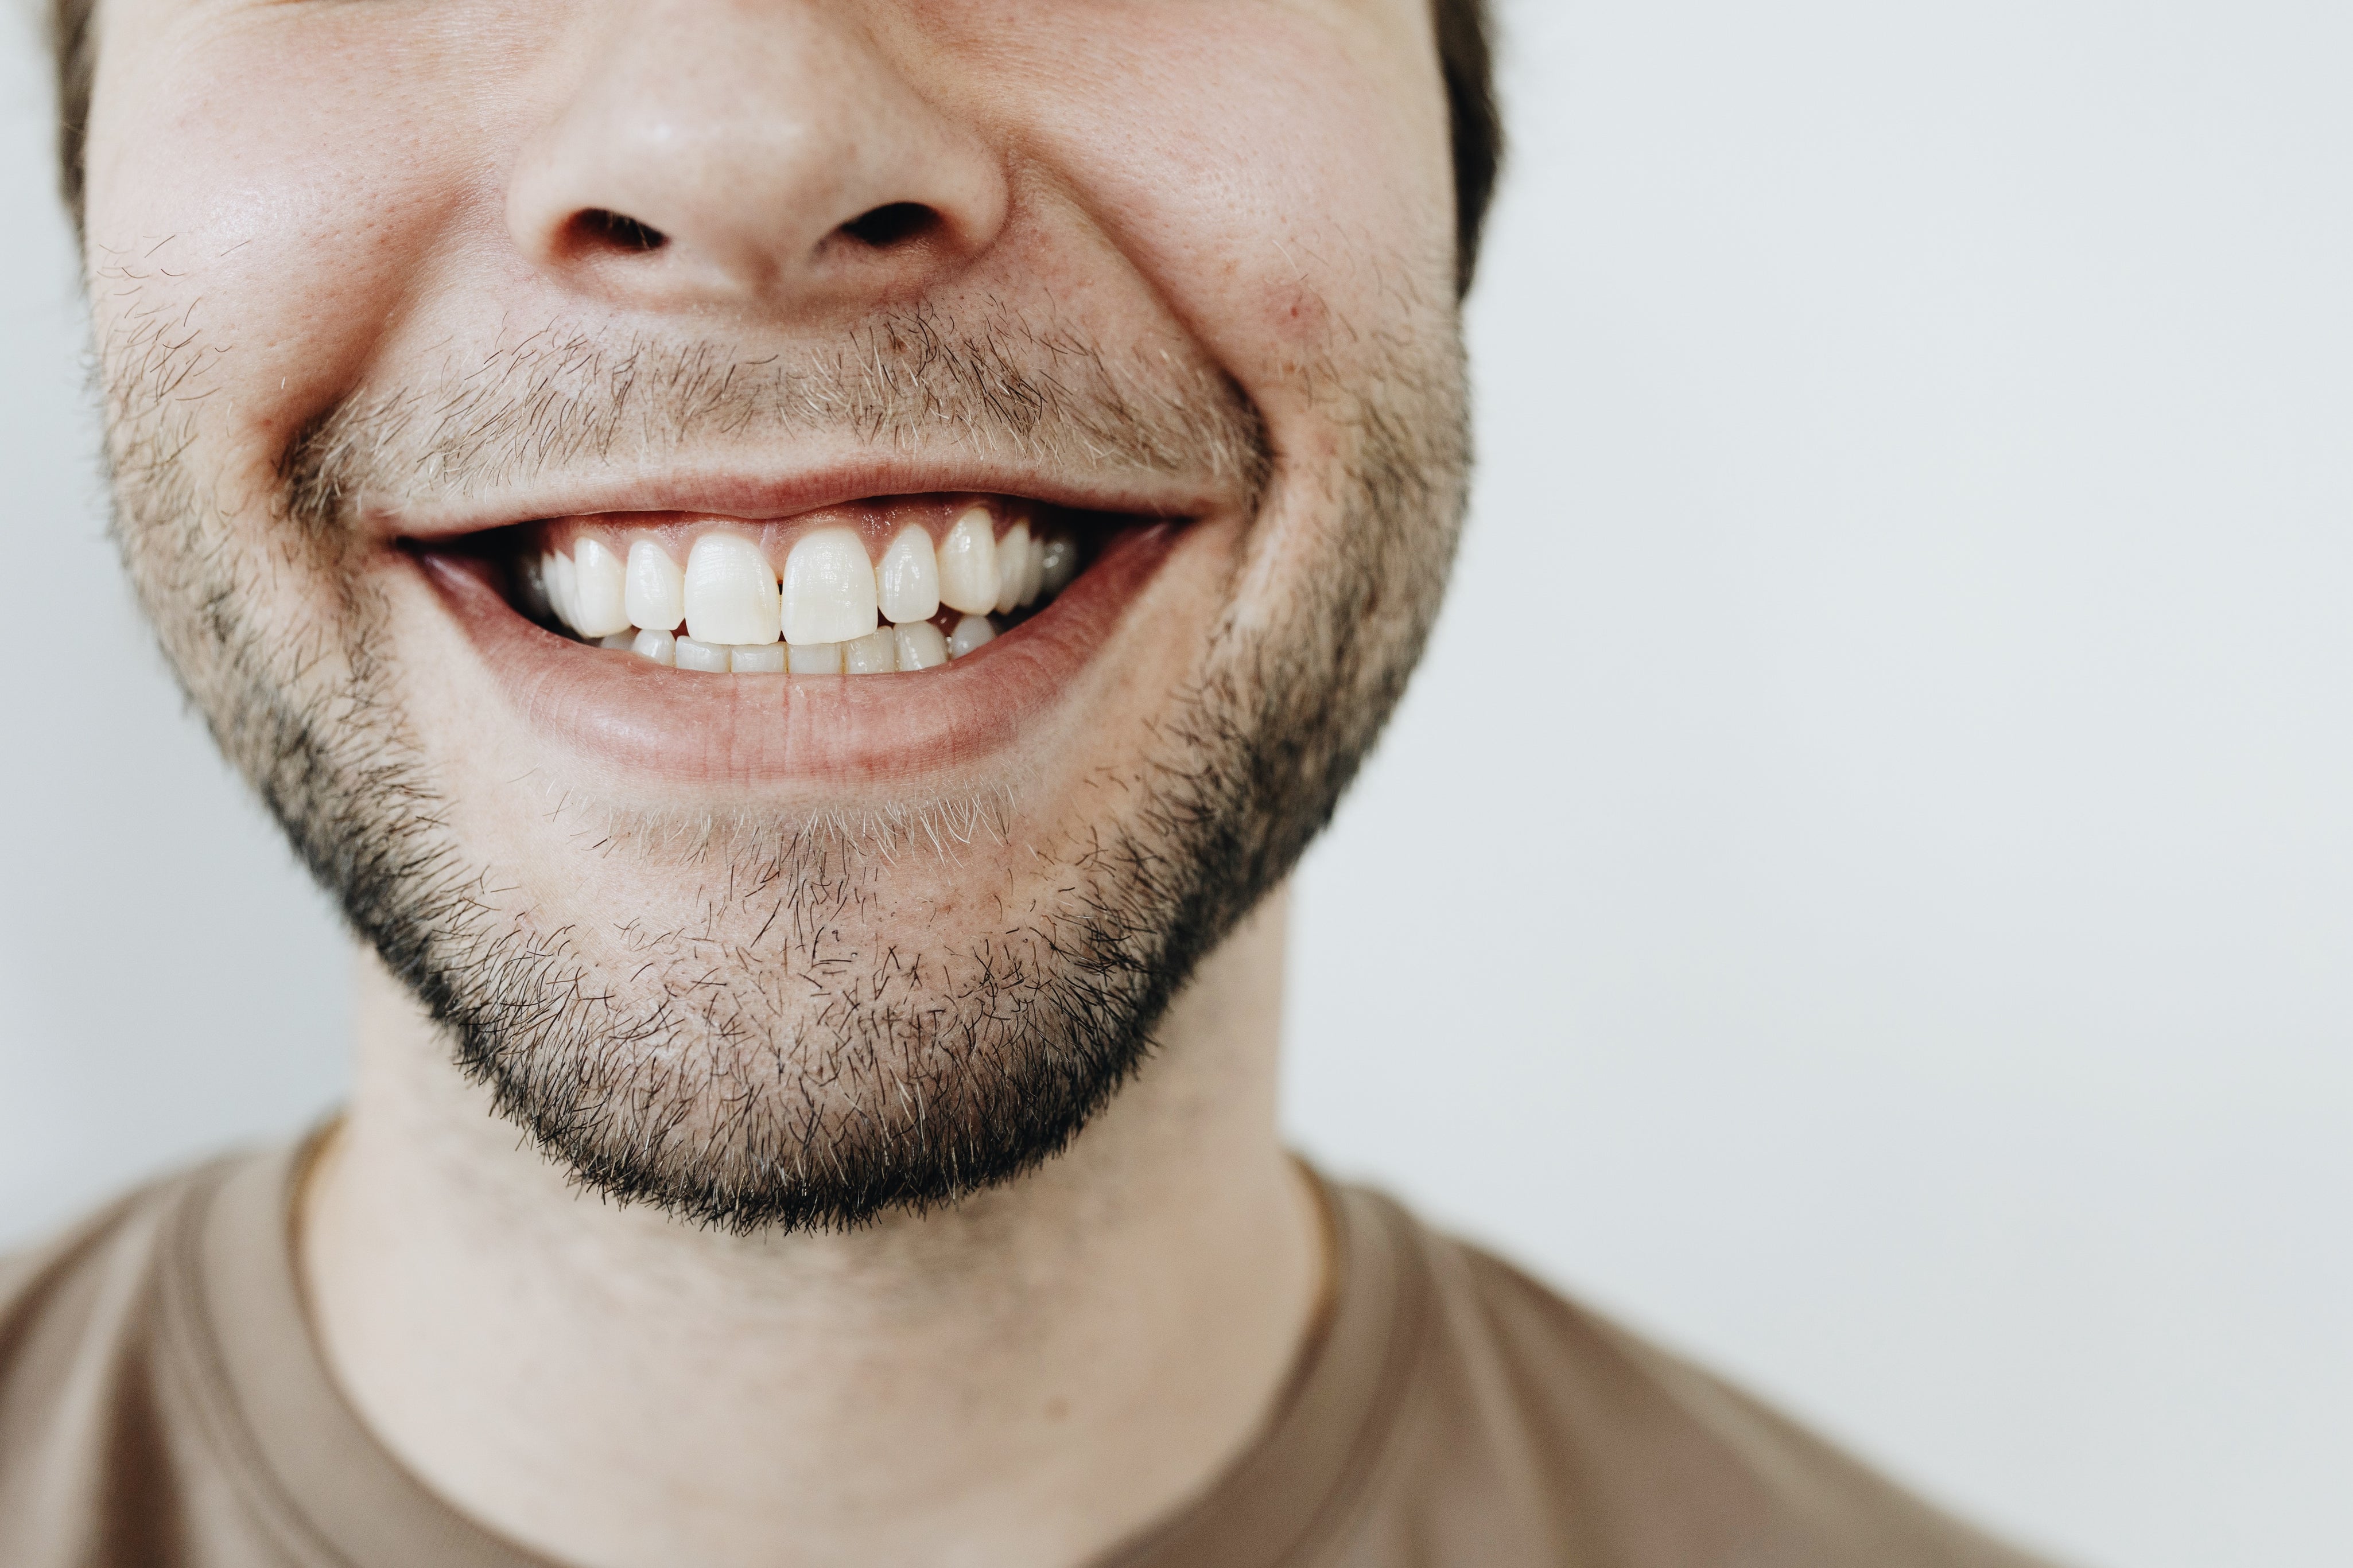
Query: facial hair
[774, 1065]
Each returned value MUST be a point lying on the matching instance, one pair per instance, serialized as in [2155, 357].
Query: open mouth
[604, 630]
[889, 585]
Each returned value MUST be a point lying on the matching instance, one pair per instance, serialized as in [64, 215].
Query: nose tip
[692, 165]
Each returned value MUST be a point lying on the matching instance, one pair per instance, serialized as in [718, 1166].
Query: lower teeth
[886, 650]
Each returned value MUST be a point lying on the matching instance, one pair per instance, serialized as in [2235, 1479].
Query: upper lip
[731, 488]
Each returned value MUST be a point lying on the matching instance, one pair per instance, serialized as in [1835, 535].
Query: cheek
[261, 199]
[1278, 174]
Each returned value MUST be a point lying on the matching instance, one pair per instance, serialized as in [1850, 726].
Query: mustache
[923, 379]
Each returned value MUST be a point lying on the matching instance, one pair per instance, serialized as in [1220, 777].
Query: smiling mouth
[727, 652]
[889, 585]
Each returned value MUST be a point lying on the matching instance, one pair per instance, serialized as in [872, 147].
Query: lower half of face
[781, 869]
[794, 705]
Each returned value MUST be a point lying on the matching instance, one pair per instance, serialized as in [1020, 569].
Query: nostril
[598, 229]
[895, 224]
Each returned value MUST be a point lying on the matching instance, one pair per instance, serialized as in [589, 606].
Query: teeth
[559, 590]
[920, 646]
[815, 657]
[730, 605]
[969, 634]
[907, 583]
[597, 574]
[876, 653]
[968, 563]
[1033, 568]
[730, 594]
[531, 587]
[828, 588]
[1012, 566]
[1057, 563]
[693, 653]
[756, 659]
[656, 594]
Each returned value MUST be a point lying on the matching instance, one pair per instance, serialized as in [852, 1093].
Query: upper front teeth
[731, 593]
[829, 590]
[657, 588]
[907, 583]
[833, 611]
[596, 588]
[968, 569]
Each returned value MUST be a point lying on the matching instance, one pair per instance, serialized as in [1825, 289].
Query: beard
[785, 1058]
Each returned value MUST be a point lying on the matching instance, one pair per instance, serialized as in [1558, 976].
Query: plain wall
[1860, 886]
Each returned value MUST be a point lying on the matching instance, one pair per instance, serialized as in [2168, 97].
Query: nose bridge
[744, 151]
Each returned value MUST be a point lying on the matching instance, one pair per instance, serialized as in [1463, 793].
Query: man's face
[398, 303]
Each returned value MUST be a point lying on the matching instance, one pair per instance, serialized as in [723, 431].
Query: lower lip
[684, 727]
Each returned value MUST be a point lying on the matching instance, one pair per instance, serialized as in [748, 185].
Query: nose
[770, 154]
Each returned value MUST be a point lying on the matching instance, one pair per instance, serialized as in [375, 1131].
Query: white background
[1862, 886]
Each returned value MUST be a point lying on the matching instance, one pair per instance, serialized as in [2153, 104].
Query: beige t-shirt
[161, 1401]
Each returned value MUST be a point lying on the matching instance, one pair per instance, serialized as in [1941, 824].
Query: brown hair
[1464, 58]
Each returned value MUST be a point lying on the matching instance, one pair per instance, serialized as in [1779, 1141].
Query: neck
[1027, 1377]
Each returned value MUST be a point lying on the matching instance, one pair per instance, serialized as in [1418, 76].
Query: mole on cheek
[1296, 311]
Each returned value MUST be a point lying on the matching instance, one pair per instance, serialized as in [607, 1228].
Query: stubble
[773, 1061]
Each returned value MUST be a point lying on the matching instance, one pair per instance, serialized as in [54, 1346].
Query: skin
[1029, 1377]
[298, 207]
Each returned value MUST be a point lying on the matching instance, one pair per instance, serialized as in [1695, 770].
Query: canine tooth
[908, 580]
[531, 587]
[596, 590]
[1033, 568]
[1058, 563]
[828, 587]
[756, 659]
[968, 563]
[619, 639]
[655, 596]
[659, 647]
[969, 634]
[920, 646]
[1012, 566]
[730, 594]
[695, 653]
[876, 653]
[814, 658]
[560, 590]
